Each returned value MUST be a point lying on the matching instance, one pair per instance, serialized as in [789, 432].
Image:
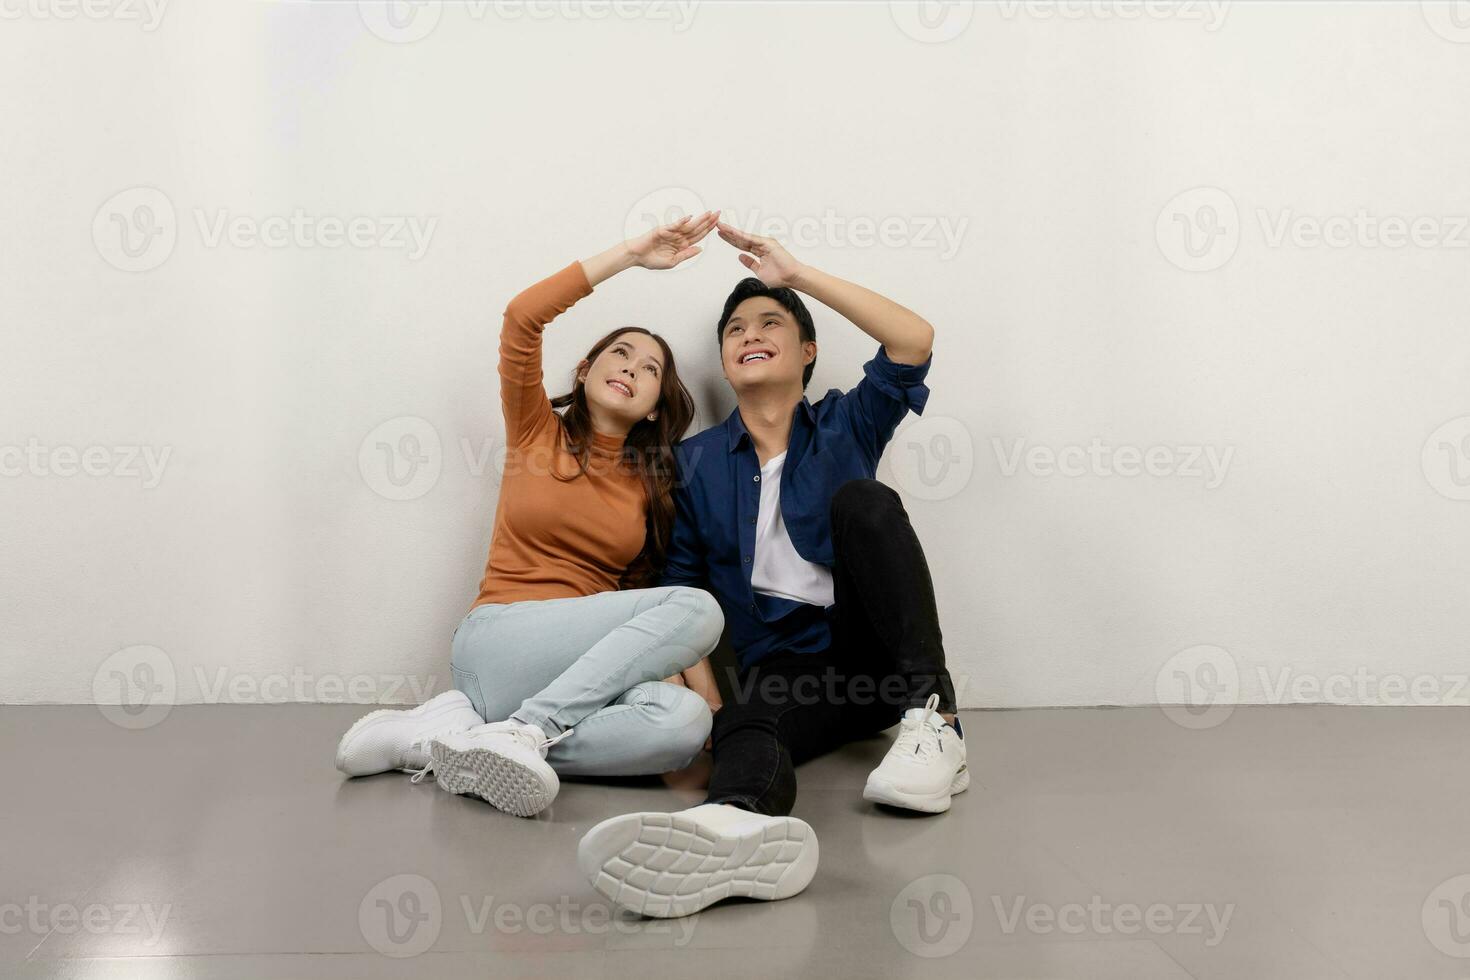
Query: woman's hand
[767, 258]
[667, 245]
[714, 706]
[662, 248]
[710, 693]
[701, 680]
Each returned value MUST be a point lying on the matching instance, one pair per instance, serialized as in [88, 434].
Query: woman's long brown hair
[648, 449]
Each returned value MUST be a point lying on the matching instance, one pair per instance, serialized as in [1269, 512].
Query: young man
[824, 587]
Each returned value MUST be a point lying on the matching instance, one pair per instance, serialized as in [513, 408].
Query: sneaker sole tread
[666, 865]
[499, 780]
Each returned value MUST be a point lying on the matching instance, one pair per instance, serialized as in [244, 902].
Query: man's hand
[667, 245]
[907, 337]
[766, 257]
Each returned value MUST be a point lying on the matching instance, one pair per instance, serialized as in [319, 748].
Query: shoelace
[922, 736]
[527, 737]
[423, 743]
[538, 743]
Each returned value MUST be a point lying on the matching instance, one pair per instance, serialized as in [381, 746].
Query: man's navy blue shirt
[717, 499]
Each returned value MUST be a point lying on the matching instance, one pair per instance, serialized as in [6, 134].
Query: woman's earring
[652, 416]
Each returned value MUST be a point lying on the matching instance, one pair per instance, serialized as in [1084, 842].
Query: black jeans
[886, 656]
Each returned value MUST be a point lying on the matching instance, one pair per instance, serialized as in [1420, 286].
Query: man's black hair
[789, 299]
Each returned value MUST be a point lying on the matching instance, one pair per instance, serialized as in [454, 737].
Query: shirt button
[752, 520]
[757, 478]
[747, 559]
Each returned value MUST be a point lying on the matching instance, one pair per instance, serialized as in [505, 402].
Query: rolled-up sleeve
[888, 391]
[903, 383]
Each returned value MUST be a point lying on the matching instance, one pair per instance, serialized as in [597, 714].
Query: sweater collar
[605, 444]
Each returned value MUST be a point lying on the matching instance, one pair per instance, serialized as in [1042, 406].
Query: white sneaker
[503, 763]
[925, 765]
[391, 738]
[671, 864]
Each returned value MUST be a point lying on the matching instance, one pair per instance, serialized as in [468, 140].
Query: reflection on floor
[221, 843]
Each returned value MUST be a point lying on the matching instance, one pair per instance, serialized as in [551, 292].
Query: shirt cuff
[904, 383]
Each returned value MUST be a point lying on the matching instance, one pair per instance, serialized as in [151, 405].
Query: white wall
[1051, 148]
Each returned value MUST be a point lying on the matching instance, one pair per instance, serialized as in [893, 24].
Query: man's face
[762, 346]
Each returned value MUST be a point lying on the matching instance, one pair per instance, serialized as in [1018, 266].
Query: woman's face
[624, 381]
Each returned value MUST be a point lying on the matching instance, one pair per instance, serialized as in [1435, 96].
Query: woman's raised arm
[523, 398]
[662, 248]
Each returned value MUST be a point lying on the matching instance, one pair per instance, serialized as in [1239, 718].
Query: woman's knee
[680, 718]
[705, 623]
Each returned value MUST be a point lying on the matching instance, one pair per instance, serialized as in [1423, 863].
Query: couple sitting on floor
[620, 553]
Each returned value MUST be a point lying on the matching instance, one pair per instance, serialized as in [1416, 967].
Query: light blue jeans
[595, 663]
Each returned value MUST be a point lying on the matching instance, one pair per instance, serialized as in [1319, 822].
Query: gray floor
[1331, 837]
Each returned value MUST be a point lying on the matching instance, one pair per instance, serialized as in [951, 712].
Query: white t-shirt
[777, 569]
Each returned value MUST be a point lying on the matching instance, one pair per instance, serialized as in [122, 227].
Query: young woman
[579, 666]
